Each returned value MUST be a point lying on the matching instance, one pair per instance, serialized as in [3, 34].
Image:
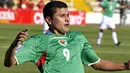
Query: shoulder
[75, 33]
[37, 37]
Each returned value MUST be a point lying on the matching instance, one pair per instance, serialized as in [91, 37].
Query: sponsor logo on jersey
[62, 42]
[18, 48]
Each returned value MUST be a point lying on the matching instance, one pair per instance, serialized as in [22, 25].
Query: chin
[66, 30]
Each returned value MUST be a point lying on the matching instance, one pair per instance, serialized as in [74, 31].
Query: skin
[59, 24]
[9, 57]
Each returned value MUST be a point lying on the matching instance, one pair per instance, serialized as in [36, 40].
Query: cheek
[58, 21]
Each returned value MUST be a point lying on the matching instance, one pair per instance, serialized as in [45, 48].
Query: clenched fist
[21, 36]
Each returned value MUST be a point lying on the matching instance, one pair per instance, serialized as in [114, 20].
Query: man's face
[60, 20]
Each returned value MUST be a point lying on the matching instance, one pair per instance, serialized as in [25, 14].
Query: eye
[63, 15]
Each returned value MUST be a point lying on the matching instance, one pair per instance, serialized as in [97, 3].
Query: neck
[56, 32]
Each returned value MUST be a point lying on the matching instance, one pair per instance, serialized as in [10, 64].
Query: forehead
[61, 11]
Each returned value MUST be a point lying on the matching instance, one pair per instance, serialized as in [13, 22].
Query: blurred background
[85, 16]
[87, 5]
[84, 10]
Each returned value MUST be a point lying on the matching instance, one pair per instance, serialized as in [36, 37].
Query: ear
[48, 20]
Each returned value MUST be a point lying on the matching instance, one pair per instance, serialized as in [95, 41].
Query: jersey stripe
[41, 62]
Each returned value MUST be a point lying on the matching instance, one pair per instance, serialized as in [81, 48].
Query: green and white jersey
[109, 7]
[53, 53]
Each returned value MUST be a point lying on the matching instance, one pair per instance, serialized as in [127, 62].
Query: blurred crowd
[39, 4]
[32, 4]
[23, 4]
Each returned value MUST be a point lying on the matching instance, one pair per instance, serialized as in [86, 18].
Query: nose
[67, 19]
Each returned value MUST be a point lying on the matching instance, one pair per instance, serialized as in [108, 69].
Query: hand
[21, 36]
[127, 6]
[127, 65]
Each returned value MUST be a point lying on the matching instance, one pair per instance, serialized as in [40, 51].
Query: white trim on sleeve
[94, 62]
[16, 60]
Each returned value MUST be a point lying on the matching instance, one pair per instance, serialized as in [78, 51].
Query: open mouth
[66, 25]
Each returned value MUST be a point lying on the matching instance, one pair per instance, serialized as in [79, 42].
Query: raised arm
[107, 65]
[10, 53]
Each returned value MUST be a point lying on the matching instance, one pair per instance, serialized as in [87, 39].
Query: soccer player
[123, 12]
[58, 50]
[107, 20]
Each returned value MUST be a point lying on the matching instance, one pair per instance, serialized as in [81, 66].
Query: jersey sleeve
[26, 51]
[102, 4]
[88, 55]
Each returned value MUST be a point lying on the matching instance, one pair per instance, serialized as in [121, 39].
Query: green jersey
[53, 53]
[109, 7]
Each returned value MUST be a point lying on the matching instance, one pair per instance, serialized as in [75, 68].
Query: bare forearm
[10, 55]
[106, 65]
[113, 67]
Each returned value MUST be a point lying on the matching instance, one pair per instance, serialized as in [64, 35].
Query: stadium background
[30, 12]
[9, 29]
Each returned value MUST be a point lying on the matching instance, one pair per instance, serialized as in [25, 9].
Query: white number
[111, 7]
[66, 53]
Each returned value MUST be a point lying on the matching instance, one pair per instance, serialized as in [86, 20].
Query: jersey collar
[49, 32]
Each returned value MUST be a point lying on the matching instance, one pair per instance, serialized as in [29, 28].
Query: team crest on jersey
[62, 42]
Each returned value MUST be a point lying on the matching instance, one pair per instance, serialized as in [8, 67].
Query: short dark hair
[50, 7]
